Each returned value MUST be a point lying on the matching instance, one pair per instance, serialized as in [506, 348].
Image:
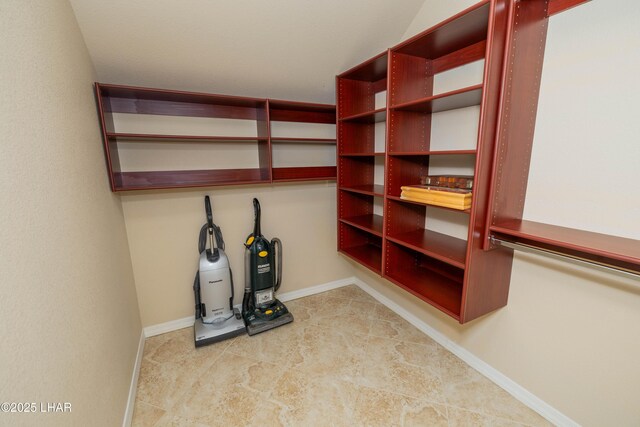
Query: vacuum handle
[276, 244]
[207, 207]
[256, 217]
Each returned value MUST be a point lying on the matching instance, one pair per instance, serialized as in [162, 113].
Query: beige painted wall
[68, 308]
[163, 228]
[568, 334]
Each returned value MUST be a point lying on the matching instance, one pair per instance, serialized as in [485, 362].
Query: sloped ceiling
[287, 49]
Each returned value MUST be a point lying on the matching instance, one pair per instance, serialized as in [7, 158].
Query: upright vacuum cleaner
[261, 309]
[216, 317]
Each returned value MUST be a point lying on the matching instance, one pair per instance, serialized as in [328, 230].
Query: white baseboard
[288, 296]
[131, 401]
[186, 322]
[173, 325]
[517, 391]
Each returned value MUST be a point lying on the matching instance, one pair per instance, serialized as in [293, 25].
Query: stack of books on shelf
[449, 191]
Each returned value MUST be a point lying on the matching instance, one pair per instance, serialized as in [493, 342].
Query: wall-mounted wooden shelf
[115, 99]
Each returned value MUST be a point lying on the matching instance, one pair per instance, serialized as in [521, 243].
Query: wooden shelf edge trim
[308, 173]
[362, 191]
[470, 90]
[609, 249]
[289, 140]
[433, 153]
[362, 227]
[375, 114]
[203, 138]
[370, 154]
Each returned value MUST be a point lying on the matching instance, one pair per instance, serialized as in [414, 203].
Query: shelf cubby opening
[465, 31]
[356, 138]
[358, 173]
[303, 131]
[449, 51]
[405, 171]
[455, 129]
[301, 112]
[407, 225]
[361, 210]
[373, 116]
[431, 280]
[360, 90]
[458, 98]
[362, 246]
[452, 164]
[409, 131]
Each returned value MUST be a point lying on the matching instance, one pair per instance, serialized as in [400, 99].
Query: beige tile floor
[346, 360]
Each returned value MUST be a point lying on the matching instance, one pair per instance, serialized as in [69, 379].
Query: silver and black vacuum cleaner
[261, 309]
[216, 317]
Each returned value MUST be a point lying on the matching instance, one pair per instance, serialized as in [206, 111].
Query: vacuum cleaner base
[204, 334]
[256, 325]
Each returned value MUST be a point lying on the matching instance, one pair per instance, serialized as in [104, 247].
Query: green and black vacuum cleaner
[261, 309]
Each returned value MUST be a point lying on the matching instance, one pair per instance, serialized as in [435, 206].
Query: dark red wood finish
[188, 178]
[454, 34]
[452, 274]
[362, 246]
[368, 189]
[372, 70]
[304, 173]
[521, 84]
[369, 223]
[460, 98]
[356, 91]
[373, 116]
[135, 100]
[433, 281]
[405, 226]
[142, 137]
[321, 141]
[289, 111]
[612, 250]
[488, 275]
[110, 147]
[466, 55]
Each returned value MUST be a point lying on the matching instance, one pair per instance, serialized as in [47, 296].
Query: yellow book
[460, 205]
[437, 195]
[425, 189]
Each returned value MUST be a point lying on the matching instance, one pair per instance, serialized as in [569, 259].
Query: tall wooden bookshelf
[451, 273]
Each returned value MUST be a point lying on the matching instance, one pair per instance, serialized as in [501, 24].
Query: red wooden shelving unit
[438, 268]
[357, 153]
[290, 111]
[136, 100]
